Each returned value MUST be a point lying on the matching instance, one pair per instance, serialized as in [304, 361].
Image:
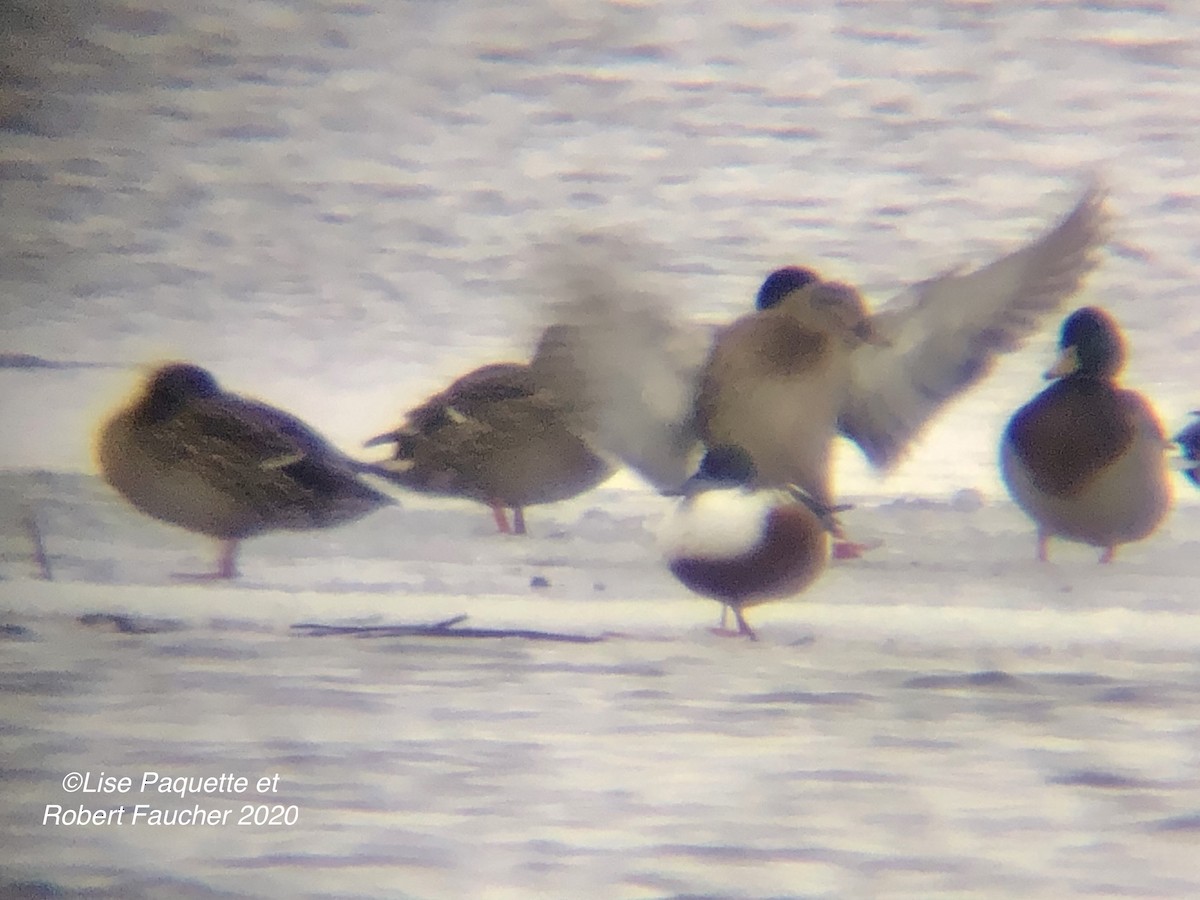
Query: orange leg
[722, 628]
[518, 520]
[844, 548]
[226, 565]
[848, 549]
[227, 559]
[500, 517]
[1043, 546]
[743, 627]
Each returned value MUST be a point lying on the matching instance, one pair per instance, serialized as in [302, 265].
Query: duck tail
[385, 477]
[404, 439]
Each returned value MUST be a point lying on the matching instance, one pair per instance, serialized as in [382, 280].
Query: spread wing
[625, 365]
[952, 328]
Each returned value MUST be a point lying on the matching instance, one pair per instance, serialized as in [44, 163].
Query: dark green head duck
[1085, 459]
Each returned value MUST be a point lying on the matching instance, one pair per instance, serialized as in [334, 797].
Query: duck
[740, 544]
[1189, 442]
[1085, 458]
[190, 454]
[497, 435]
[811, 362]
[774, 373]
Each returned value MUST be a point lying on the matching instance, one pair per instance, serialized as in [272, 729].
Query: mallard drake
[497, 435]
[190, 454]
[1189, 442]
[1085, 459]
[811, 362]
[743, 545]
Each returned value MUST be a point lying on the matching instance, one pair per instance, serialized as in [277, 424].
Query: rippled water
[335, 205]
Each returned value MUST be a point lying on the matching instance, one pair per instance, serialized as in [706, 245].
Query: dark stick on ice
[29, 361]
[439, 629]
[123, 624]
[39, 547]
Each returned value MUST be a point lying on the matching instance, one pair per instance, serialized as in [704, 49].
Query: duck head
[1090, 345]
[828, 305]
[170, 387]
[782, 282]
[726, 466]
[846, 311]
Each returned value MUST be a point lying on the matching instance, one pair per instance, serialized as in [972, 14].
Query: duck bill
[866, 332]
[693, 485]
[1066, 364]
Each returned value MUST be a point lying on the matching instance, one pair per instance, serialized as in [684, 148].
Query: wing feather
[948, 334]
[624, 362]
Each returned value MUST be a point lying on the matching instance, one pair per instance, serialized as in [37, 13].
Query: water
[336, 205]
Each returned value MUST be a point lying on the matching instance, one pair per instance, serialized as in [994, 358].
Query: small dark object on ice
[439, 629]
[123, 624]
[29, 361]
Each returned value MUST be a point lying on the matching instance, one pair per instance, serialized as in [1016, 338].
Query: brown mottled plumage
[771, 374]
[192, 455]
[497, 435]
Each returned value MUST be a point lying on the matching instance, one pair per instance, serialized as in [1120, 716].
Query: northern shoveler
[743, 545]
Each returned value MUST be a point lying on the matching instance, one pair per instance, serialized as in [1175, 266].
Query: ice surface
[944, 715]
[335, 205]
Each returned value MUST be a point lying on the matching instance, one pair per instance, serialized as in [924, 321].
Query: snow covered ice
[333, 206]
[943, 715]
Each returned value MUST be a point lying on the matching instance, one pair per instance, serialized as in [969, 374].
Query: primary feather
[644, 381]
[945, 333]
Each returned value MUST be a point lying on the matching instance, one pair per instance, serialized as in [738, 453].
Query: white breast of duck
[742, 546]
